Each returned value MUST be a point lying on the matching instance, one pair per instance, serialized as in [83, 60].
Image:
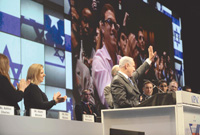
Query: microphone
[154, 86]
[95, 114]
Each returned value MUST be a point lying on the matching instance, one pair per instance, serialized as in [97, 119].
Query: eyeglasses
[111, 23]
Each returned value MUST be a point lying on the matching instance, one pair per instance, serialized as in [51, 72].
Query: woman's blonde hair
[4, 67]
[34, 72]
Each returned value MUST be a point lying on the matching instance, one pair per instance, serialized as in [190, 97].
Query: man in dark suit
[147, 91]
[85, 107]
[124, 87]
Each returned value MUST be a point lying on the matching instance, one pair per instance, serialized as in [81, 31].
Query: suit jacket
[124, 93]
[144, 97]
[82, 107]
[108, 96]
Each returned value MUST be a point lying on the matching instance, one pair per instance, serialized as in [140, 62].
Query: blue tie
[130, 81]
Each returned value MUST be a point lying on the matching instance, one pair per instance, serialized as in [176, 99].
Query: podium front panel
[151, 120]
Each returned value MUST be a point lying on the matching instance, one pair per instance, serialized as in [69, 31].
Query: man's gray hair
[125, 60]
[115, 69]
[173, 81]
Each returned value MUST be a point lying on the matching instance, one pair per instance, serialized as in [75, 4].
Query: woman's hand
[58, 99]
[23, 84]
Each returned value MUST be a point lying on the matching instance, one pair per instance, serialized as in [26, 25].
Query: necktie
[130, 81]
[89, 109]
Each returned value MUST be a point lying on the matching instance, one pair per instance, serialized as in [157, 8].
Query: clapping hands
[58, 99]
[23, 84]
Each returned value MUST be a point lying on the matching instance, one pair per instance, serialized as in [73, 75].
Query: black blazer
[82, 107]
[9, 96]
[35, 98]
[124, 93]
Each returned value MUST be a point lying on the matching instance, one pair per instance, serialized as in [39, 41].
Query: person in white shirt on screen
[106, 57]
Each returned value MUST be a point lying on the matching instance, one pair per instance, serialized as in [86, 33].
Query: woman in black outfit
[33, 96]
[9, 95]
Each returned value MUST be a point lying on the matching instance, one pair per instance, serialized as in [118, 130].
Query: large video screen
[139, 24]
[37, 32]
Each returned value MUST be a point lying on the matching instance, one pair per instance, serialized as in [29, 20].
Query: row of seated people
[27, 89]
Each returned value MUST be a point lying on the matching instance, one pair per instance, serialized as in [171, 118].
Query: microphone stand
[154, 86]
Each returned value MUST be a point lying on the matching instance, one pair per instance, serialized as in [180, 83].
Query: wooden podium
[182, 118]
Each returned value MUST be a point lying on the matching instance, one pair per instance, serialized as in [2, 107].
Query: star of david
[54, 22]
[15, 67]
[177, 37]
[61, 56]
